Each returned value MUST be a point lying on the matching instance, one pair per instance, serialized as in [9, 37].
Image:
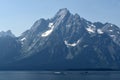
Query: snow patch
[71, 45]
[100, 31]
[112, 36]
[50, 25]
[93, 25]
[23, 39]
[91, 28]
[111, 25]
[48, 32]
[111, 30]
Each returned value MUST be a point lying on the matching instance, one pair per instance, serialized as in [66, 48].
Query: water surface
[56, 75]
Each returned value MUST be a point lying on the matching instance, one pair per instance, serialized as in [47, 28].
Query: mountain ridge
[68, 41]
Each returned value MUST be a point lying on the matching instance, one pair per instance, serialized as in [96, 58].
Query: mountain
[67, 41]
[9, 47]
[7, 33]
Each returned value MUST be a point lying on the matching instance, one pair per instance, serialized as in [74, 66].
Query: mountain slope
[9, 47]
[68, 41]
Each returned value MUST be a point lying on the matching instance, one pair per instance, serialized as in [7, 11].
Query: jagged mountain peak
[69, 40]
[62, 11]
[6, 33]
[38, 24]
[61, 15]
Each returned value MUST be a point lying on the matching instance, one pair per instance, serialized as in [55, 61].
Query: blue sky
[19, 15]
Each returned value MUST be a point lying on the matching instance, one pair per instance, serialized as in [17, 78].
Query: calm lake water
[63, 75]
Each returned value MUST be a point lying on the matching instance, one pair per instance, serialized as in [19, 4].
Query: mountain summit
[68, 41]
[7, 33]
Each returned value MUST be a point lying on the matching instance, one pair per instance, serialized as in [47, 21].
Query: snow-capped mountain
[68, 41]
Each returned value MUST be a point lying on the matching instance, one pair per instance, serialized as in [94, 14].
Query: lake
[56, 75]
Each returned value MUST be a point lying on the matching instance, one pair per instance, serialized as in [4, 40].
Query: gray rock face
[68, 41]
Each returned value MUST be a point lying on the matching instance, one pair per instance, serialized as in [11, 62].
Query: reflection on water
[63, 75]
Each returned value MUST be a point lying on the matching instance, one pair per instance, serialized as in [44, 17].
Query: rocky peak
[37, 24]
[62, 12]
[6, 33]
